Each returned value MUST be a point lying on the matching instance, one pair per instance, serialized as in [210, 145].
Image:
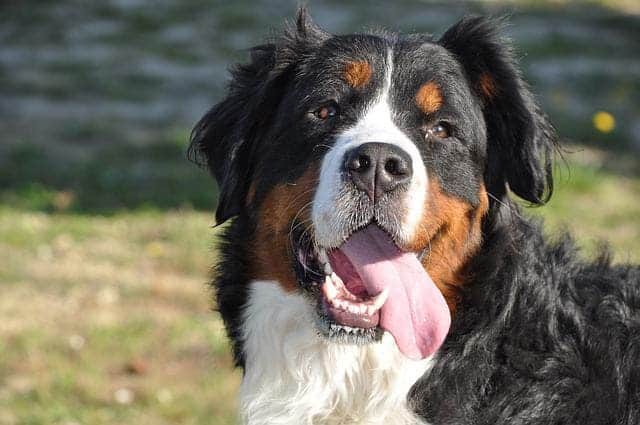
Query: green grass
[95, 306]
[106, 317]
[595, 204]
[106, 179]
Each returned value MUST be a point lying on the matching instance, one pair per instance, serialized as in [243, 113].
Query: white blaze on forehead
[376, 125]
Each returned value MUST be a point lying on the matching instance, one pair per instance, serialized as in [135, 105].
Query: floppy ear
[225, 137]
[520, 140]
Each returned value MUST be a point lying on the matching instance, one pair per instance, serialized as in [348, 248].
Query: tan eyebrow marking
[357, 73]
[429, 97]
[487, 86]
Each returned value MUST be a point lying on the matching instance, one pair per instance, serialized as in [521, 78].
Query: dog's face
[363, 165]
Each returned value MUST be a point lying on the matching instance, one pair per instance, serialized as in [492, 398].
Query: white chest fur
[293, 376]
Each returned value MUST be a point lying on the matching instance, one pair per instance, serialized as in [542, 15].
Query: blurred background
[105, 238]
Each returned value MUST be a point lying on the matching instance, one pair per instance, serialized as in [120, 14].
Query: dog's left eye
[327, 111]
[441, 130]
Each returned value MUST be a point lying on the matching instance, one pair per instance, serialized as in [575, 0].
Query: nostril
[392, 167]
[396, 166]
[365, 162]
[359, 163]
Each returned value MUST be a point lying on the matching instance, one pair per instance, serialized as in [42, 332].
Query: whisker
[429, 252]
[304, 232]
[294, 226]
[511, 209]
[293, 221]
[295, 217]
[321, 145]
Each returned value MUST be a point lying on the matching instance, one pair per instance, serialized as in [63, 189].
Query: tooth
[370, 310]
[337, 281]
[322, 257]
[380, 299]
[346, 306]
[330, 290]
[327, 269]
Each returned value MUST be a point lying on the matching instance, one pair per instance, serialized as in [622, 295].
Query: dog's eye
[441, 130]
[327, 111]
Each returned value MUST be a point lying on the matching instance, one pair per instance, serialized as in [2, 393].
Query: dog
[373, 268]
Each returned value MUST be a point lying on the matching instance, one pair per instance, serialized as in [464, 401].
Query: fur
[376, 124]
[539, 335]
[293, 376]
[543, 337]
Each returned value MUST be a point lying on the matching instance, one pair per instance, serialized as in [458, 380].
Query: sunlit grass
[107, 319]
[595, 204]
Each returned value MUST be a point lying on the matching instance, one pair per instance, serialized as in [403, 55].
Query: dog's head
[363, 165]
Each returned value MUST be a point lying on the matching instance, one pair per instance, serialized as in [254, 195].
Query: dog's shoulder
[548, 337]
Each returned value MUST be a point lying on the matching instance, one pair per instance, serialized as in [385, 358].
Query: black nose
[377, 168]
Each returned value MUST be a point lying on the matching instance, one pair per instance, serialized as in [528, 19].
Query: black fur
[518, 132]
[540, 336]
[224, 140]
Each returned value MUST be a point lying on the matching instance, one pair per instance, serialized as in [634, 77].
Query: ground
[105, 228]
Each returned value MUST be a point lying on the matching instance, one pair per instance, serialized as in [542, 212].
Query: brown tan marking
[357, 74]
[429, 97]
[487, 86]
[451, 232]
[251, 194]
[271, 256]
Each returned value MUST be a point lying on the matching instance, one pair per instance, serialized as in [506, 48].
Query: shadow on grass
[109, 179]
[615, 161]
[158, 176]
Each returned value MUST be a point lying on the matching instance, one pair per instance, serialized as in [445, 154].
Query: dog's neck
[294, 376]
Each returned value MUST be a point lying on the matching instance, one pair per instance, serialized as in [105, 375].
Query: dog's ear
[225, 137]
[521, 141]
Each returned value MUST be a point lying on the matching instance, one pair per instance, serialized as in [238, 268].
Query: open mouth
[367, 286]
[350, 304]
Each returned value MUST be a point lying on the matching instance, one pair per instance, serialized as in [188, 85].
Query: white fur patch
[294, 376]
[375, 126]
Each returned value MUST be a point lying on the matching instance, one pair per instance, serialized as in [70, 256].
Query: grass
[106, 319]
[597, 206]
[106, 316]
[105, 180]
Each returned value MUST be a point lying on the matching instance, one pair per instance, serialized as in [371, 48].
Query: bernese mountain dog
[373, 268]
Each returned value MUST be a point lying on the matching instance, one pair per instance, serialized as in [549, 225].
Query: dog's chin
[345, 312]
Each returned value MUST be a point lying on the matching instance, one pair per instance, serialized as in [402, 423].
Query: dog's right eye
[440, 131]
[327, 111]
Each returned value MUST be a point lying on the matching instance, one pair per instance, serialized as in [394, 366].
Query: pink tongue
[415, 313]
